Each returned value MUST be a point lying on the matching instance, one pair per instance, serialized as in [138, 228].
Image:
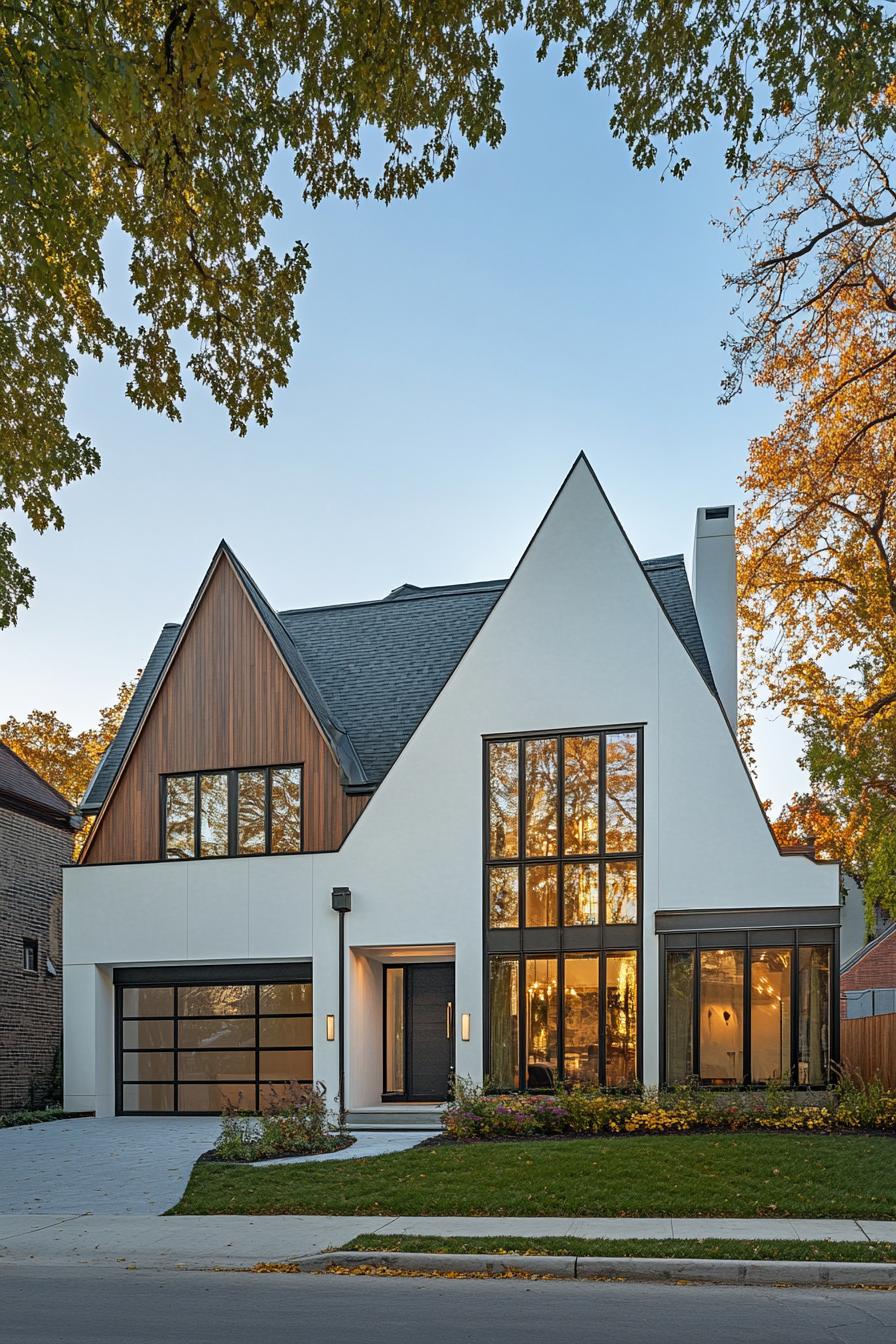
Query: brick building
[36, 835]
[872, 967]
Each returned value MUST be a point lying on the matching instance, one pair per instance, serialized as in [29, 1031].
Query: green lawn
[872, 1252]
[738, 1175]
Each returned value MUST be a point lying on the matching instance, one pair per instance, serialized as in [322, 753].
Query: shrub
[295, 1121]
[8, 1119]
[476, 1113]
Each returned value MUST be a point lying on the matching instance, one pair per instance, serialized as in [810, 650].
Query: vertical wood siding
[868, 1047]
[227, 700]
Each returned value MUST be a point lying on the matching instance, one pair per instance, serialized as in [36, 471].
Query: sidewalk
[202, 1243]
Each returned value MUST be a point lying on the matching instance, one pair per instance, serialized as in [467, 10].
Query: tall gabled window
[563, 830]
[226, 813]
[563, 851]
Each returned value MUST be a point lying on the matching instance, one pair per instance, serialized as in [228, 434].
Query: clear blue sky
[458, 351]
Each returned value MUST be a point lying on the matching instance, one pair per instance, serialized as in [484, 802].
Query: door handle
[449, 1020]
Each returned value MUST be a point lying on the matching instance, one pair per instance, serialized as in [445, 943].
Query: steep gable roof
[23, 789]
[371, 670]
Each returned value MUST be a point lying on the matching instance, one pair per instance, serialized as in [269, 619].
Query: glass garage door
[195, 1049]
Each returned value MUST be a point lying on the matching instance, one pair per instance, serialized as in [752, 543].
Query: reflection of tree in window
[581, 795]
[180, 816]
[286, 810]
[213, 820]
[541, 895]
[622, 793]
[250, 812]
[622, 892]
[679, 1016]
[581, 893]
[770, 1014]
[503, 799]
[504, 1039]
[541, 1020]
[814, 1033]
[504, 897]
[541, 797]
[622, 1018]
[581, 1015]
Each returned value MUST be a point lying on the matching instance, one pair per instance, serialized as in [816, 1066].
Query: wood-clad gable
[226, 700]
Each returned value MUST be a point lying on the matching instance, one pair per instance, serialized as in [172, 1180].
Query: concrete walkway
[203, 1242]
[129, 1165]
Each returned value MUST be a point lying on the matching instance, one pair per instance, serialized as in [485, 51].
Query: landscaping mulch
[212, 1155]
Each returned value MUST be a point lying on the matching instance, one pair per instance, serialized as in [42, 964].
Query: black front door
[430, 1031]
[419, 1031]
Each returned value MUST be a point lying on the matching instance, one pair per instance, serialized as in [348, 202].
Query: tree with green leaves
[163, 118]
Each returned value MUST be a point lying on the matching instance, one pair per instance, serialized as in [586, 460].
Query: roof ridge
[677, 557]
[330, 723]
[425, 595]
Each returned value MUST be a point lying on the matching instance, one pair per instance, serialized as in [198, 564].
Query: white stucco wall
[578, 639]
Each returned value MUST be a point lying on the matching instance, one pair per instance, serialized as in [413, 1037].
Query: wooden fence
[868, 1047]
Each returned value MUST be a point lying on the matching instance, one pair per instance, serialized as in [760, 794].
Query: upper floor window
[29, 955]
[221, 813]
[563, 842]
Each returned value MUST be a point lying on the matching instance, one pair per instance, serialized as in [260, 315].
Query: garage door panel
[215, 1096]
[215, 1000]
[216, 1033]
[149, 1034]
[148, 1066]
[148, 1096]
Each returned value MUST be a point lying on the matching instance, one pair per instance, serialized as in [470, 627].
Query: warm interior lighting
[331, 1027]
[465, 1026]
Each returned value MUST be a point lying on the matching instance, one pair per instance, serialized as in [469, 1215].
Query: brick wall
[875, 970]
[32, 853]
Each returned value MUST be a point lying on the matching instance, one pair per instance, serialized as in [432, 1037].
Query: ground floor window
[570, 1017]
[199, 1047]
[729, 1013]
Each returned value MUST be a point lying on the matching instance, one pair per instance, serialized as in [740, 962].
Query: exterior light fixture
[465, 1026]
[331, 1026]
[342, 900]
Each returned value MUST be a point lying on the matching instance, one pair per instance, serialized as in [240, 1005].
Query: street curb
[748, 1273]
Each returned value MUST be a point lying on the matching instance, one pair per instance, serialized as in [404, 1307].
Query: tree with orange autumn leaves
[64, 758]
[817, 534]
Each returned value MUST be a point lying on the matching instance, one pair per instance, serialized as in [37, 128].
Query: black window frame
[31, 945]
[600, 939]
[232, 773]
[748, 941]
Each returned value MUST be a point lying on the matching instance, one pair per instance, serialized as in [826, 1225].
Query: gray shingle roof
[669, 578]
[374, 668]
[22, 787]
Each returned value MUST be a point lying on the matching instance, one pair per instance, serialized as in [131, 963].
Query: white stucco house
[520, 804]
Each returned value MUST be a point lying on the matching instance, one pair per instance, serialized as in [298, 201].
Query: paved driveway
[138, 1164]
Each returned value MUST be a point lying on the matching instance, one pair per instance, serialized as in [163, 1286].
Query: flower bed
[296, 1123]
[475, 1114]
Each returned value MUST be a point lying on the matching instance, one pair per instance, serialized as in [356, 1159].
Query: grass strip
[681, 1175]
[707, 1248]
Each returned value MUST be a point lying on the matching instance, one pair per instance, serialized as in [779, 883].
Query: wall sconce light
[465, 1026]
[331, 1026]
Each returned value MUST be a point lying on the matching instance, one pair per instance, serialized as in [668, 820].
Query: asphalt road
[45, 1304]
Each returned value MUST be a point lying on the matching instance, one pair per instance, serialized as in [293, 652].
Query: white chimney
[714, 577]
